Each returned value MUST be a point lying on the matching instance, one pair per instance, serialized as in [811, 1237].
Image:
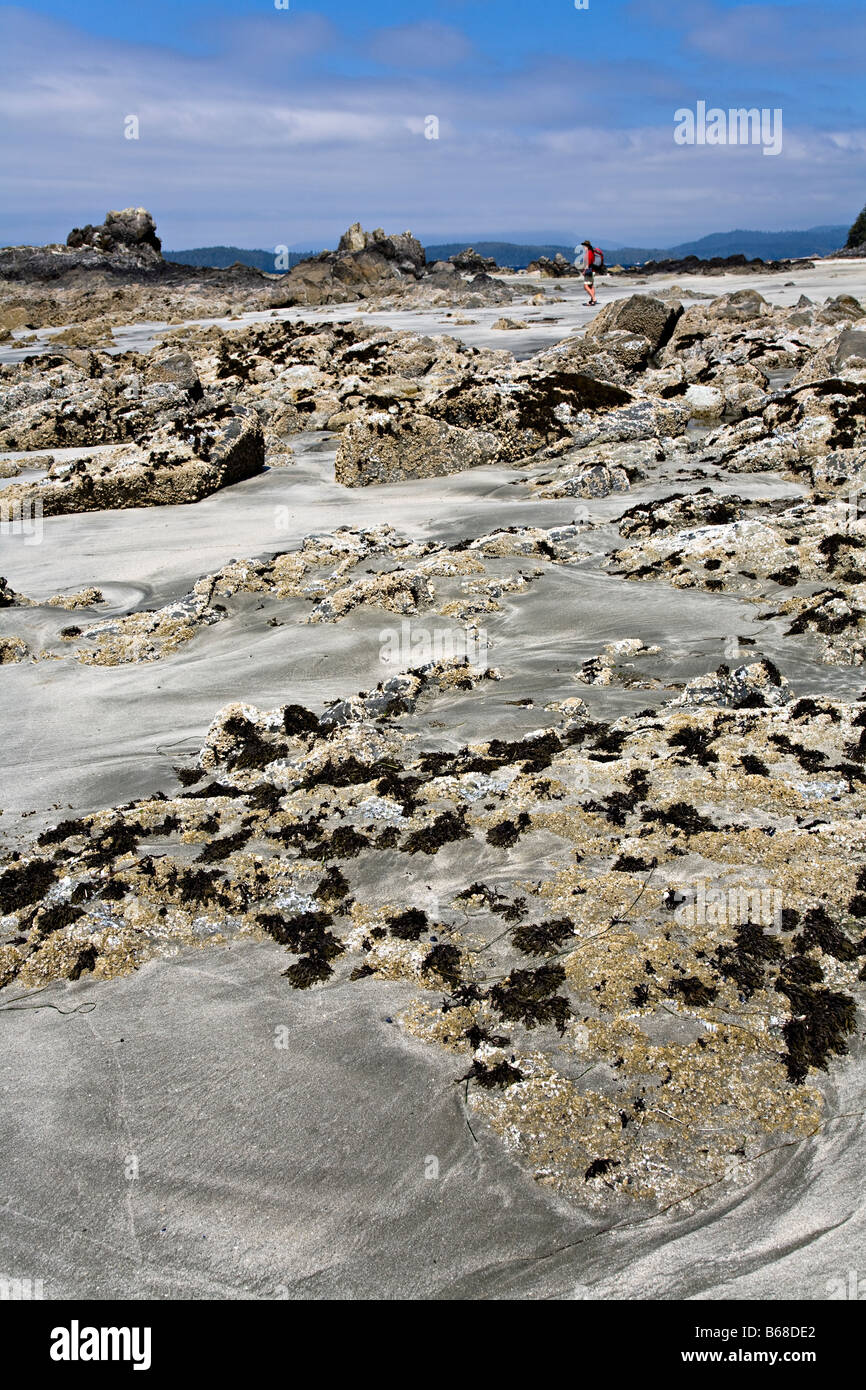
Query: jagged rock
[843, 307]
[171, 470]
[759, 686]
[641, 315]
[176, 369]
[131, 229]
[850, 350]
[363, 261]
[385, 448]
[470, 261]
[556, 269]
[739, 306]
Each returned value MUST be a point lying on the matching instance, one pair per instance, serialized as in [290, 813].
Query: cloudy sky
[261, 125]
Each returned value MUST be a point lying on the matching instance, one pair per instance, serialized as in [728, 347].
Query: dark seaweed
[543, 938]
[527, 996]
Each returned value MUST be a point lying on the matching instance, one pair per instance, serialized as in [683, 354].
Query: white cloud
[261, 144]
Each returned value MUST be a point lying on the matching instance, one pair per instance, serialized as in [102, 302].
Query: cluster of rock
[701, 1027]
[373, 266]
[535, 896]
[326, 580]
[153, 435]
[719, 265]
[854, 253]
[471, 262]
[126, 251]
[557, 269]
[125, 244]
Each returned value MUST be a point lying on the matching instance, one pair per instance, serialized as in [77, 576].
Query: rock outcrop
[130, 232]
[363, 263]
[557, 269]
[471, 262]
[166, 470]
[640, 314]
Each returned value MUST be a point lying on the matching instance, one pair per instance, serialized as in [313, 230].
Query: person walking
[589, 272]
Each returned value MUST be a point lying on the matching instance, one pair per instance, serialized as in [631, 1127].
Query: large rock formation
[471, 261]
[169, 470]
[125, 244]
[363, 263]
[557, 269]
[476, 422]
[130, 232]
[125, 250]
[652, 319]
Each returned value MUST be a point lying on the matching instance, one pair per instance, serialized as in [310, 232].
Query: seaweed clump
[409, 925]
[528, 997]
[508, 832]
[543, 938]
[500, 1075]
[307, 935]
[693, 990]
[446, 827]
[21, 885]
[746, 961]
[821, 1020]
[818, 929]
[443, 961]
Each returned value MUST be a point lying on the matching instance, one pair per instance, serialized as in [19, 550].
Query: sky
[264, 126]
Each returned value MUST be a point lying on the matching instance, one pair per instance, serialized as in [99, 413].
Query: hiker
[591, 257]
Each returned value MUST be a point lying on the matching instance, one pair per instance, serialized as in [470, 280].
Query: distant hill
[770, 246]
[223, 256]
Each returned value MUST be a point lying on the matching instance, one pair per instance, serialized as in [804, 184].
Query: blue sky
[261, 126]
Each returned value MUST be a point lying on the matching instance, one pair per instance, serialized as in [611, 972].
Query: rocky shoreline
[630, 920]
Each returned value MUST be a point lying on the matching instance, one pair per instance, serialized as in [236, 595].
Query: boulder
[705, 402]
[170, 469]
[175, 369]
[758, 686]
[470, 261]
[132, 229]
[557, 269]
[739, 306]
[639, 314]
[850, 350]
[844, 308]
[385, 448]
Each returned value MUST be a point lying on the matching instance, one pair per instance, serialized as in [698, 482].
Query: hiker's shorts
[588, 277]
